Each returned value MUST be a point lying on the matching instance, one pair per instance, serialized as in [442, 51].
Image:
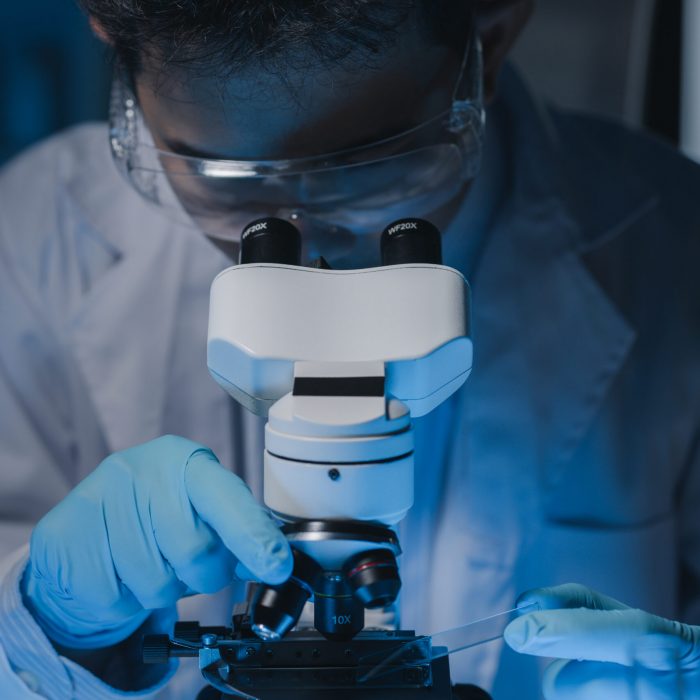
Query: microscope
[340, 362]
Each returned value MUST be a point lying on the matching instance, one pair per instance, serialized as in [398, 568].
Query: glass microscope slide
[428, 648]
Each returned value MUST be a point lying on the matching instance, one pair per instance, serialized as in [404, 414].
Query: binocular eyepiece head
[273, 240]
[362, 572]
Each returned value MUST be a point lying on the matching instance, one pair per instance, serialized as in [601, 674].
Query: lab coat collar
[549, 342]
[123, 331]
[556, 157]
[548, 345]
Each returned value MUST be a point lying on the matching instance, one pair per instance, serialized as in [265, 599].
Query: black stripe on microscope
[339, 386]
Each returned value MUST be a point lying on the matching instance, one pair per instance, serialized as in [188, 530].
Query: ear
[500, 23]
[99, 31]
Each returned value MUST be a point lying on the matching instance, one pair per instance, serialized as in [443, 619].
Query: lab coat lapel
[548, 344]
[122, 332]
[548, 340]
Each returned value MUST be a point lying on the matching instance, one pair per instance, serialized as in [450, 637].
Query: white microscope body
[340, 362]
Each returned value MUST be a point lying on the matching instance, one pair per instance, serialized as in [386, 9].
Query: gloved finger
[588, 680]
[245, 574]
[82, 574]
[591, 680]
[132, 543]
[569, 595]
[110, 540]
[198, 556]
[223, 501]
[194, 551]
[593, 635]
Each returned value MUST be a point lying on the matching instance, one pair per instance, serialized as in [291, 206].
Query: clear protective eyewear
[357, 190]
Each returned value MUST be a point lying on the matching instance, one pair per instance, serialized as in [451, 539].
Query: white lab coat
[569, 455]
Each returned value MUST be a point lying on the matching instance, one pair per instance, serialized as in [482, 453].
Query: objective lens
[374, 577]
[276, 609]
[338, 614]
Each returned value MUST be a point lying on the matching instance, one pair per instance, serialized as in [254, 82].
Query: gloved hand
[151, 524]
[601, 637]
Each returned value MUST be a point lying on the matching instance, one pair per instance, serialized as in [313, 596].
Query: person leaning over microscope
[570, 455]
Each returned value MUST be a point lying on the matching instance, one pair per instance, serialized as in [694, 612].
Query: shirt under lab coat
[571, 454]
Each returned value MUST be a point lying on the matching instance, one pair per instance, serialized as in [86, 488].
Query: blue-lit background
[613, 58]
[53, 72]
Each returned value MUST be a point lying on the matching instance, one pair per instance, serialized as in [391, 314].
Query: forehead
[307, 109]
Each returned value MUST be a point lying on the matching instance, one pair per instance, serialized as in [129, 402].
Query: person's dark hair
[229, 34]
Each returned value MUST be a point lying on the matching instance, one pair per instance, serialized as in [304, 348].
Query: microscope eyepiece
[411, 241]
[271, 240]
[374, 577]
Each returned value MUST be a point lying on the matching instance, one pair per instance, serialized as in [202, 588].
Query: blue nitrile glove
[601, 638]
[151, 524]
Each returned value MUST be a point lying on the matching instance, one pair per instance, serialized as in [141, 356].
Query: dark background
[613, 57]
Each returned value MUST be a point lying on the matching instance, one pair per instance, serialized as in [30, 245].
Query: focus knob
[156, 649]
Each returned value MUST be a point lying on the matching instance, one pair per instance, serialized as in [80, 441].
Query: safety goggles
[357, 190]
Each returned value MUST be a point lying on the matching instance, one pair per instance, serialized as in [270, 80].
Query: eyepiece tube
[411, 241]
[270, 240]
